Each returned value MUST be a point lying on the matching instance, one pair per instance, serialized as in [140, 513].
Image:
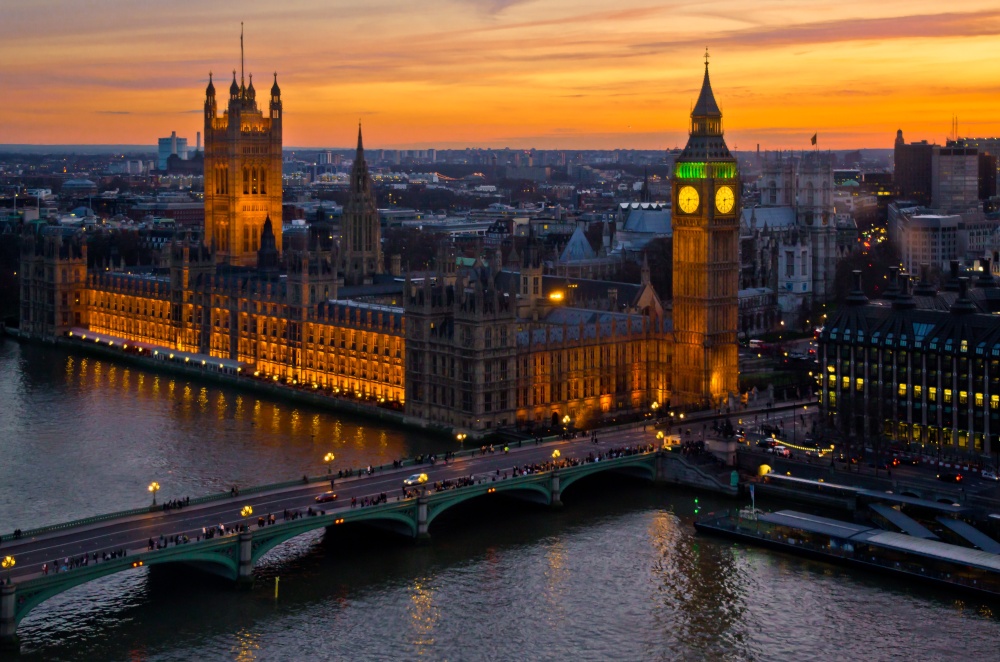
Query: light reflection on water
[616, 574]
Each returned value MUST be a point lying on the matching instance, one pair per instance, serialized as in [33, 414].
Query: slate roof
[578, 248]
[649, 221]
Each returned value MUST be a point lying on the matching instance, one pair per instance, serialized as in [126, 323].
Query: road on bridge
[132, 533]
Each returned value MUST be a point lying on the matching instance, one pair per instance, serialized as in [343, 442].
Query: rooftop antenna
[241, 53]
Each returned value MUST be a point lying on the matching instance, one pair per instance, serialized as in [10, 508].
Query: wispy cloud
[523, 72]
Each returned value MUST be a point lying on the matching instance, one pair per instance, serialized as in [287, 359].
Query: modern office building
[920, 367]
[170, 146]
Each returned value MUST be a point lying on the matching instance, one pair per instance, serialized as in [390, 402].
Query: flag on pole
[813, 139]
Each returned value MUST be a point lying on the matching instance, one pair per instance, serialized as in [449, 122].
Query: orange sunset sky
[572, 74]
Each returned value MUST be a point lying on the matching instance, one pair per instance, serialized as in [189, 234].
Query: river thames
[618, 573]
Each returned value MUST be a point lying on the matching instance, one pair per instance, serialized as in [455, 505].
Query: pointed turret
[267, 256]
[210, 90]
[706, 140]
[360, 238]
[234, 89]
[706, 105]
[275, 90]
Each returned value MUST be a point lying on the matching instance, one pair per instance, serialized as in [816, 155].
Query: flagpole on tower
[241, 53]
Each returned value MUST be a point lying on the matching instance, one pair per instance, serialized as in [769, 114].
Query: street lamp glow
[556, 454]
[328, 458]
[154, 488]
[7, 563]
[461, 436]
[566, 419]
[247, 511]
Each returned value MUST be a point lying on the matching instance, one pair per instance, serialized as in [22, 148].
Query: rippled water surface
[618, 573]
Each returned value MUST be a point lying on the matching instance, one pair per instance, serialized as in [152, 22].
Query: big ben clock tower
[705, 218]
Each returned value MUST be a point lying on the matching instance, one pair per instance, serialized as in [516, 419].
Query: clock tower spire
[705, 219]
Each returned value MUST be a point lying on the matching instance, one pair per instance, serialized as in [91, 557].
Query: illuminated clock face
[725, 199]
[687, 199]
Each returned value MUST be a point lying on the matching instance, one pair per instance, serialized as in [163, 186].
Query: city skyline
[496, 73]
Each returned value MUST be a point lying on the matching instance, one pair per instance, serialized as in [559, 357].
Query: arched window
[263, 181]
[246, 181]
[253, 183]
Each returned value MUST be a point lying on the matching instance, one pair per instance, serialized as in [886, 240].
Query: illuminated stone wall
[242, 172]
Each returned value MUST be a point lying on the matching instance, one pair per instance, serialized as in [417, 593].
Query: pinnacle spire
[361, 147]
[706, 105]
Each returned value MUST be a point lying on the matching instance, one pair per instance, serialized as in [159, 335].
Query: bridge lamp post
[154, 487]
[246, 512]
[660, 436]
[329, 458]
[461, 437]
[566, 421]
[7, 563]
[655, 407]
[555, 455]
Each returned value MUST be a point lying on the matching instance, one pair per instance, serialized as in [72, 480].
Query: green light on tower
[701, 170]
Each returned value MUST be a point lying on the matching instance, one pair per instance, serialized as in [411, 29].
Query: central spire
[361, 148]
[706, 105]
[706, 138]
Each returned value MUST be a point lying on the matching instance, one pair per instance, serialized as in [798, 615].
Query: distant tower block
[242, 172]
[706, 212]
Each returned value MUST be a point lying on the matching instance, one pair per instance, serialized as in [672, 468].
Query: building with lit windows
[472, 347]
[921, 367]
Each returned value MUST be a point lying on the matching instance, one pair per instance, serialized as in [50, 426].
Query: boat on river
[862, 545]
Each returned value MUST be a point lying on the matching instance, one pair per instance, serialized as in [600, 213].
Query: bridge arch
[265, 539]
[535, 492]
[222, 559]
[644, 467]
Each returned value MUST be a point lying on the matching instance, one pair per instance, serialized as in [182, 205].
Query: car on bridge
[950, 477]
[325, 497]
[989, 474]
[415, 479]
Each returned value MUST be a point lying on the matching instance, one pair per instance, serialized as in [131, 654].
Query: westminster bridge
[241, 532]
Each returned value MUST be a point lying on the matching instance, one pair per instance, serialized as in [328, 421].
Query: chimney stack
[857, 296]
[963, 304]
[924, 287]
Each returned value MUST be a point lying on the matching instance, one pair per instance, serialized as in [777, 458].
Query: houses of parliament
[493, 345]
